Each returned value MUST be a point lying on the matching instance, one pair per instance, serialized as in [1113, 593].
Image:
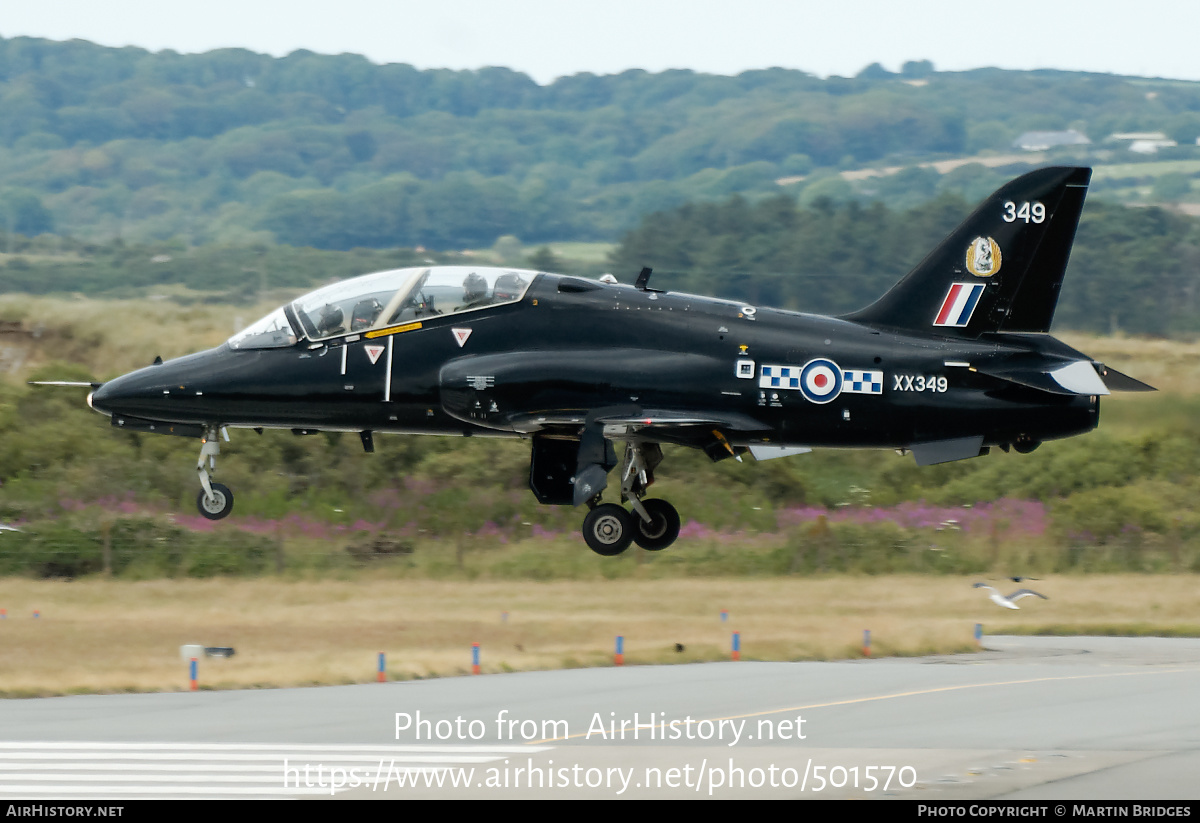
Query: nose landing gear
[218, 505]
[215, 500]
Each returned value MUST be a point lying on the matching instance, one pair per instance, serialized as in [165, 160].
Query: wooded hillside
[335, 152]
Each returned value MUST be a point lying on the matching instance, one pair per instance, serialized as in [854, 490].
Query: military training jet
[953, 360]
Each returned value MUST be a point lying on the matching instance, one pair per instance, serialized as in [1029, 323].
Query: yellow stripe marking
[371, 335]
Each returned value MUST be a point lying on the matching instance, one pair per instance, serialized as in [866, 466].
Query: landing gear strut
[653, 524]
[215, 500]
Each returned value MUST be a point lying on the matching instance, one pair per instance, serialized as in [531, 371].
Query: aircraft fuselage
[561, 351]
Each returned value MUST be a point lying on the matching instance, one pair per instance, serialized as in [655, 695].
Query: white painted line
[21, 791]
[275, 747]
[245, 758]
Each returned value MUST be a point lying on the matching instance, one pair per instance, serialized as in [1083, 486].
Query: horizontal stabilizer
[1122, 382]
[1032, 377]
[1081, 378]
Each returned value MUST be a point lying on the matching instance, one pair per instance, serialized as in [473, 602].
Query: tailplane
[1000, 270]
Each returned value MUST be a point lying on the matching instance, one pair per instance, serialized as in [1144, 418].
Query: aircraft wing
[647, 424]
[595, 388]
[535, 422]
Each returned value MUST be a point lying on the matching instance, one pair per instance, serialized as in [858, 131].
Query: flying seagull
[1010, 601]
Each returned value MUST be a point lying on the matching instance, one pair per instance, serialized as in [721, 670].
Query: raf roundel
[821, 380]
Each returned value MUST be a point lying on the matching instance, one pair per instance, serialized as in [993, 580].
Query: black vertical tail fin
[1000, 270]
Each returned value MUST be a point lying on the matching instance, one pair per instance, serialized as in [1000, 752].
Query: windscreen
[272, 332]
[383, 299]
[351, 305]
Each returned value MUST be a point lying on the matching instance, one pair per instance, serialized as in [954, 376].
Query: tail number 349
[1033, 212]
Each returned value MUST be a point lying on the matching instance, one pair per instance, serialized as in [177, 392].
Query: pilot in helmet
[332, 320]
[508, 287]
[475, 291]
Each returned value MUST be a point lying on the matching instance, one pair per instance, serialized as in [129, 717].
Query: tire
[608, 530]
[219, 506]
[661, 531]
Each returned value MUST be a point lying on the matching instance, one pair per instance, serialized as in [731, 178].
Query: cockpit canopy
[383, 299]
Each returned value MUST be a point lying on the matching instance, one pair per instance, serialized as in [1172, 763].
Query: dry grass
[1171, 366]
[1152, 169]
[944, 166]
[112, 337]
[101, 635]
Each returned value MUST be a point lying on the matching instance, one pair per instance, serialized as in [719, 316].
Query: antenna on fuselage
[642, 279]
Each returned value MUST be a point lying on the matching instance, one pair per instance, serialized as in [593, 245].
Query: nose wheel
[218, 505]
[215, 500]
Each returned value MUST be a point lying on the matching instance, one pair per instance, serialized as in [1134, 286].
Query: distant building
[1150, 146]
[1042, 140]
[1144, 142]
[1138, 135]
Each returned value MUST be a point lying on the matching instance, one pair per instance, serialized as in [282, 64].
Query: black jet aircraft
[953, 360]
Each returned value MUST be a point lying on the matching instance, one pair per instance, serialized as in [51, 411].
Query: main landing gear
[215, 500]
[653, 524]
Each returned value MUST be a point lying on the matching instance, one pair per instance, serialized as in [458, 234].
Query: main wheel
[662, 529]
[608, 530]
[217, 506]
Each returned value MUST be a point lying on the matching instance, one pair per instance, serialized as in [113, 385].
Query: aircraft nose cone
[166, 392]
[128, 394]
[99, 399]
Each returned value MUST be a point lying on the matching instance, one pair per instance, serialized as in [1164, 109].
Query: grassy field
[100, 635]
[1151, 169]
[1171, 366]
[583, 252]
[108, 636]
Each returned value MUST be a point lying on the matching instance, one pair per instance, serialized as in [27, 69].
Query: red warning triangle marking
[461, 336]
[373, 352]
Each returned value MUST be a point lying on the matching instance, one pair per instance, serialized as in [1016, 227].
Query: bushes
[136, 547]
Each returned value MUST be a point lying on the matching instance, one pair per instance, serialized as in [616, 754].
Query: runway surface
[1026, 719]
